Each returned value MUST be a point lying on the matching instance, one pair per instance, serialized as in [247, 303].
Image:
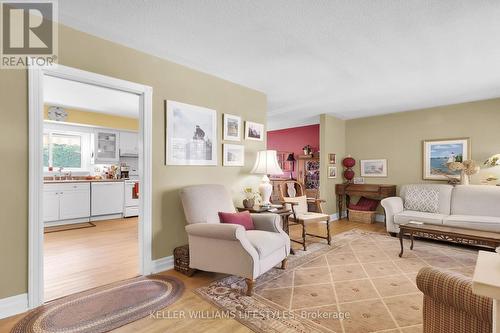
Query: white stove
[131, 197]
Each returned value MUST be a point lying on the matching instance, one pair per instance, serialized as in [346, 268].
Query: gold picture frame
[436, 153]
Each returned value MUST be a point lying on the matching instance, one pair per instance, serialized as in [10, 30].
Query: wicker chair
[450, 305]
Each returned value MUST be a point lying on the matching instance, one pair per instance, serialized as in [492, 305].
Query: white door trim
[35, 231]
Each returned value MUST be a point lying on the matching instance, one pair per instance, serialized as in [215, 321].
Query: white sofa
[470, 207]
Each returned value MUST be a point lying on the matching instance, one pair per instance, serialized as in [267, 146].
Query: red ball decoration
[348, 174]
[348, 162]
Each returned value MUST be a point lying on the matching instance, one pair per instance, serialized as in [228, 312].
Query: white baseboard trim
[13, 305]
[162, 264]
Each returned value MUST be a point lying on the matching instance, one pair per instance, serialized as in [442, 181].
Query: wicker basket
[181, 260]
[361, 216]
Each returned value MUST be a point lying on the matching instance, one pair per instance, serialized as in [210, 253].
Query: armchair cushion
[244, 219]
[309, 217]
[301, 204]
[265, 242]
[267, 222]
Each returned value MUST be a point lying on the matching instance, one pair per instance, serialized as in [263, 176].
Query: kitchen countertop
[64, 181]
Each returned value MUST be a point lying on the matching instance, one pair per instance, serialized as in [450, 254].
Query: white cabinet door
[129, 144]
[74, 201]
[106, 146]
[50, 205]
[107, 198]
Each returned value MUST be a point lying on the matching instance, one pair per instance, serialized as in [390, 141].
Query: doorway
[55, 144]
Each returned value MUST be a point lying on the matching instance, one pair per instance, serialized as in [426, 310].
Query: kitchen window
[65, 150]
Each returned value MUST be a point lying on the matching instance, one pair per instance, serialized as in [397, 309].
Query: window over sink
[65, 150]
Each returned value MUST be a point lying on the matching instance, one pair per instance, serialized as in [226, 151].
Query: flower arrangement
[307, 150]
[251, 197]
[467, 168]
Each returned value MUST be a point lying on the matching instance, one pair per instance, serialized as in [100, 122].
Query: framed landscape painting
[191, 135]
[232, 127]
[374, 168]
[438, 153]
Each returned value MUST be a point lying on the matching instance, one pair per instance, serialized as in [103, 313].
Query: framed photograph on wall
[332, 172]
[232, 127]
[437, 153]
[191, 134]
[374, 168]
[234, 155]
[332, 158]
[254, 131]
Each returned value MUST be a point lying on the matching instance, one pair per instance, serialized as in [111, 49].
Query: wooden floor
[81, 259]
[191, 302]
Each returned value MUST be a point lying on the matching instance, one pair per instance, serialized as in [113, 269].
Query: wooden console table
[372, 191]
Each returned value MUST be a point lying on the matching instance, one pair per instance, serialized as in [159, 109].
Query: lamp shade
[267, 163]
[291, 158]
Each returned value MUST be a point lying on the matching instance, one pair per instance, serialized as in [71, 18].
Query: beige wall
[332, 140]
[169, 81]
[97, 119]
[398, 137]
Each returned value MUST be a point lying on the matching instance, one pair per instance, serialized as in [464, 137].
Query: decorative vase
[464, 178]
[248, 203]
[348, 163]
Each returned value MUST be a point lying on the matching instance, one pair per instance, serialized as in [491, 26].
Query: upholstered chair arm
[217, 230]
[267, 222]
[454, 290]
[271, 223]
[392, 206]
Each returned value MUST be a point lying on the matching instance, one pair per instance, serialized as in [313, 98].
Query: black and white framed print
[254, 131]
[234, 155]
[191, 134]
[232, 127]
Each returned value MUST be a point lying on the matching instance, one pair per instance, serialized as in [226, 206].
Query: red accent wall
[294, 139]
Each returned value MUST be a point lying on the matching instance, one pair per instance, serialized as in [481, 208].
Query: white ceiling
[77, 95]
[349, 58]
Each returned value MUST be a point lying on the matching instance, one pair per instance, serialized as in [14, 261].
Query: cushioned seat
[487, 223]
[309, 217]
[413, 215]
[264, 242]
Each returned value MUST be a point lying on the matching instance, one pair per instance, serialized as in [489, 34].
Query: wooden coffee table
[487, 239]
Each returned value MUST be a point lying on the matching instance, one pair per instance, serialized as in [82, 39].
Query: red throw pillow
[243, 218]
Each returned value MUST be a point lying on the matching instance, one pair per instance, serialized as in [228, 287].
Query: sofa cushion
[265, 242]
[422, 198]
[444, 195]
[412, 215]
[487, 223]
[479, 200]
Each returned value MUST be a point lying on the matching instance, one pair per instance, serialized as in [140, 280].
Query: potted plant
[251, 197]
[307, 150]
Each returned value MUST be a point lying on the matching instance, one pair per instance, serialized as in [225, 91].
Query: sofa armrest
[267, 222]
[392, 206]
[454, 290]
[224, 231]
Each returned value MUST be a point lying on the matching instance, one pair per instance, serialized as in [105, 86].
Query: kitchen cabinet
[107, 198]
[106, 146]
[129, 144]
[66, 201]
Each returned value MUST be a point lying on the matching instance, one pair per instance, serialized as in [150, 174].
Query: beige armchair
[229, 248]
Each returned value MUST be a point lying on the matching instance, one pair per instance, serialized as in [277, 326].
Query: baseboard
[380, 218]
[13, 305]
[162, 264]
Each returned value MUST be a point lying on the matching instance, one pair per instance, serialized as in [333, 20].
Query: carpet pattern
[357, 285]
[105, 308]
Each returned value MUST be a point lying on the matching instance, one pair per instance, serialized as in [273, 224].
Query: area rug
[357, 285]
[105, 308]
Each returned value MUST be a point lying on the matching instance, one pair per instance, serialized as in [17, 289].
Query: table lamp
[266, 164]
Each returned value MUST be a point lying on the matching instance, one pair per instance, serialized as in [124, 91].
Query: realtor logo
[29, 33]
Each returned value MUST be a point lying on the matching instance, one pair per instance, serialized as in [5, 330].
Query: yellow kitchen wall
[170, 81]
[97, 119]
[398, 138]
